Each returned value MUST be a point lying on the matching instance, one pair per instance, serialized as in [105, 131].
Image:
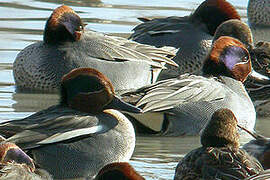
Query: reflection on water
[22, 23]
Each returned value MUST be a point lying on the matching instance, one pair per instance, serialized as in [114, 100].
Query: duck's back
[190, 118]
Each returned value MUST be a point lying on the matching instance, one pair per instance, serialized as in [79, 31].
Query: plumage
[40, 66]
[191, 34]
[81, 134]
[187, 102]
[219, 157]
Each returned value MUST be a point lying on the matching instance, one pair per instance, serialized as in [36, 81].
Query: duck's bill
[119, 104]
[257, 77]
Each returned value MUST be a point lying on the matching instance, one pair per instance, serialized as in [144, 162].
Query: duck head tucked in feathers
[220, 156]
[221, 131]
[88, 90]
[63, 25]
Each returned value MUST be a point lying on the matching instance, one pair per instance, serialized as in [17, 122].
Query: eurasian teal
[67, 45]
[260, 56]
[183, 105]
[259, 148]
[220, 156]
[191, 34]
[81, 134]
[118, 171]
[258, 13]
[17, 165]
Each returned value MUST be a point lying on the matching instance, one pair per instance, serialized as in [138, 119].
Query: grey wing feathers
[159, 25]
[117, 48]
[169, 93]
[53, 125]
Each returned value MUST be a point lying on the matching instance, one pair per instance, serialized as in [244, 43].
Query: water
[22, 23]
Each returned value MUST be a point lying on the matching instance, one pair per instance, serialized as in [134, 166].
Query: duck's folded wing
[112, 48]
[54, 125]
[157, 26]
[169, 93]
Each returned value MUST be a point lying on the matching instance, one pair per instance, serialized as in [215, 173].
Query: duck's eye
[80, 28]
[245, 59]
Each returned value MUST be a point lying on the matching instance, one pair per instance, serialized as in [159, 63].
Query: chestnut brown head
[64, 25]
[88, 90]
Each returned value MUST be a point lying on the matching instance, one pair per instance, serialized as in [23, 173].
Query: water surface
[22, 23]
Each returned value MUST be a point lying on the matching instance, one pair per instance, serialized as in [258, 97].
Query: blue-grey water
[22, 23]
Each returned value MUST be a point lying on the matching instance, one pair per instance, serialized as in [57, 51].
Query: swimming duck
[258, 13]
[257, 88]
[219, 157]
[67, 45]
[119, 171]
[17, 165]
[191, 34]
[259, 148]
[81, 134]
[183, 105]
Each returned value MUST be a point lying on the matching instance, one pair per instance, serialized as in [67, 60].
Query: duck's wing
[53, 125]
[169, 93]
[112, 48]
[159, 26]
[163, 31]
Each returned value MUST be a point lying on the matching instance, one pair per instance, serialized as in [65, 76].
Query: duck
[257, 88]
[259, 147]
[120, 171]
[68, 45]
[259, 19]
[192, 34]
[183, 105]
[81, 134]
[17, 165]
[219, 157]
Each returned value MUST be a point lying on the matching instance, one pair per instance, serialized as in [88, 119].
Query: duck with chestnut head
[183, 105]
[257, 88]
[192, 34]
[68, 45]
[81, 134]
